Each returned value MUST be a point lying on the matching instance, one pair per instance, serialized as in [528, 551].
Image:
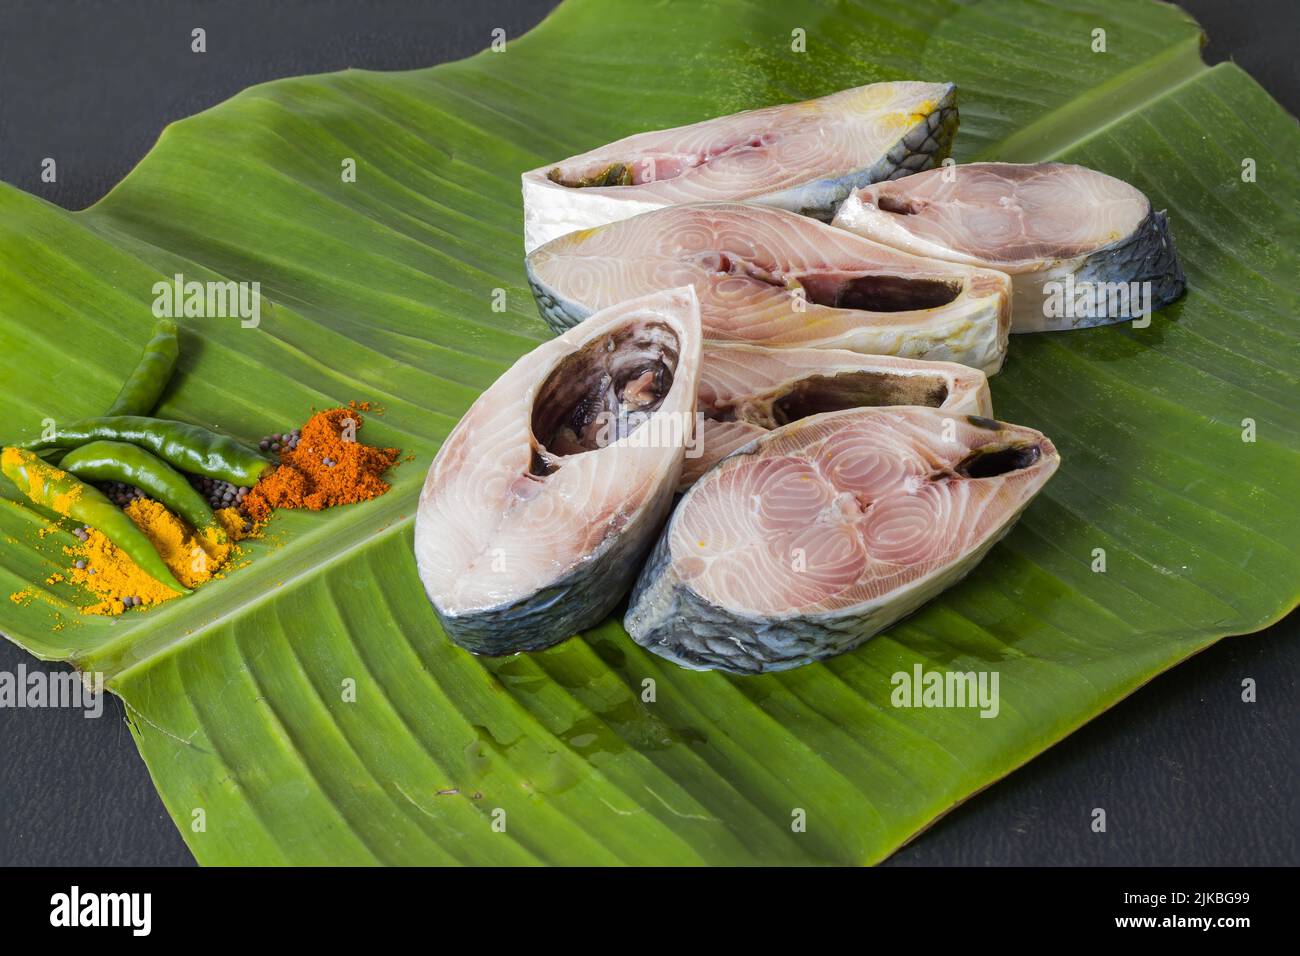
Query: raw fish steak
[1082, 248]
[769, 277]
[828, 530]
[748, 390]
[804, 157]
[540, 506]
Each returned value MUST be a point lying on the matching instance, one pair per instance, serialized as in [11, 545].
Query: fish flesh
[540, 506]
[804, 157]
[1082, 248]
[748, 390]
[769, 277]
[822, 533]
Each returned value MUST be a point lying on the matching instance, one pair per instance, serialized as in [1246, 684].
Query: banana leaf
[1179, 444]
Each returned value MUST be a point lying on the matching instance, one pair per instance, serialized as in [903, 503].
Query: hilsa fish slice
[824, 532]
[540, 506]
[804, 157]
[748, 390]
[769, 277]
[1082, 248]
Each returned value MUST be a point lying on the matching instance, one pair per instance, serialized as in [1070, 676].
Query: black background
[1188, 774]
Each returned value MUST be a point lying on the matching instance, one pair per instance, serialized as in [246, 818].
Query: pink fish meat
[804, 157]
[826, 531]
[748, 390]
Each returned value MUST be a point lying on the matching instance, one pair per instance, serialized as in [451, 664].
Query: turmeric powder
[193, 557]
[327, 467]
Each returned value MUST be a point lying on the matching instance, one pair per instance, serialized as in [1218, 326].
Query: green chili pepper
[188, 447]
[132, 465]
[145, 385]
[65, 495]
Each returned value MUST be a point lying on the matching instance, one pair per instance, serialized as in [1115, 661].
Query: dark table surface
[1188, 773]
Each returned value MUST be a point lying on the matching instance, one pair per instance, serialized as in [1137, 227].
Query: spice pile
[193, 557]
[161, 504]
[324, 467]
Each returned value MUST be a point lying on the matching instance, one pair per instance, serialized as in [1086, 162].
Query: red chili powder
[328, 467]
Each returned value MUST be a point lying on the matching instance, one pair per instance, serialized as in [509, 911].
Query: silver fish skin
[559, 313]
[803, 157]
[748, 390]
[539, 508]
[824, 532]
[1082, 248]
[769, 277]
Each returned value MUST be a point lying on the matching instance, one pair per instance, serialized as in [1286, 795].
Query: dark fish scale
[560, 314]
[916, 150]
[922, 147]
[917, 136]
[1147, 255]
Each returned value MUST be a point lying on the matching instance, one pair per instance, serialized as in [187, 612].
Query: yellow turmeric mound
[194, 557]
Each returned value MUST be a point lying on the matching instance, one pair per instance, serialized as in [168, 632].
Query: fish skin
[559, 313]
[580, 600]
[747, 382]
[575, 274]
[924, 146]
[483, 498]
[669, 615]
[1148, 255]
[1139, 248]
[897, 129]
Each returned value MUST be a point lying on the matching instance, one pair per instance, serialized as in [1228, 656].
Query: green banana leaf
[1179, 444]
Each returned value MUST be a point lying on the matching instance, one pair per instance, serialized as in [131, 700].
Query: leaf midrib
[1078, 120]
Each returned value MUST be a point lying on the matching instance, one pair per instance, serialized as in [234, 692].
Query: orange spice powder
[328, 467]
